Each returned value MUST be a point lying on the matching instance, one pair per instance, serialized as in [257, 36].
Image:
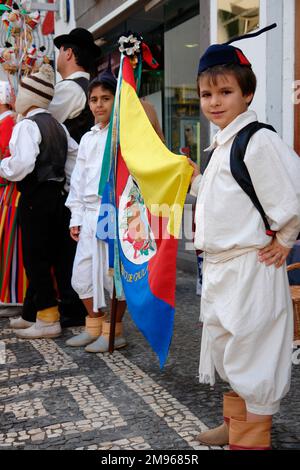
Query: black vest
[50, 162]
[78, 126]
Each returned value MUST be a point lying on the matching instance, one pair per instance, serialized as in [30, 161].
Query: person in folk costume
[246, 305]
[12, 274]
[96, 334]
[91, 268]
[69, 106]
[76, 62]
[39, 148]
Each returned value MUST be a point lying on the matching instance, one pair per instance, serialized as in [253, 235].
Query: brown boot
[246, 435]
[219, 436]
[101, 344]
[93, 329]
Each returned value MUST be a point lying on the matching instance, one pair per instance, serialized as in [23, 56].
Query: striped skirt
[13, 280]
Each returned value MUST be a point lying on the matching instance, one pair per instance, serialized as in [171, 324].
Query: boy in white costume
[246, 305]
[91, 268]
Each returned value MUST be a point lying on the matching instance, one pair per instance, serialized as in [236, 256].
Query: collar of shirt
[222, 136]
[97, 128]
[5, 114]
[78, 75]
[37, 111]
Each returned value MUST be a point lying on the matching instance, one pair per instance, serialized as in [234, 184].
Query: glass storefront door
[181, 52]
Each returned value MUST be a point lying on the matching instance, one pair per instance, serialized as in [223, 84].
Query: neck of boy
[32, 108]
[103, 125]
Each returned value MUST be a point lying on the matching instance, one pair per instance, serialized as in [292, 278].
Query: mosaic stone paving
[56, 397]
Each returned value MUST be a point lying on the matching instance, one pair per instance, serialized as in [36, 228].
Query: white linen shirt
[69, 98]
[86, 175]
[225, 216]
[24, 149]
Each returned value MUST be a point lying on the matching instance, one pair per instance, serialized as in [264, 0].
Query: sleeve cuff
[195, 186]
[76, 220]
[287, 243]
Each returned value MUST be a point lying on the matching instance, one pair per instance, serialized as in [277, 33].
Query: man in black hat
[76, 60]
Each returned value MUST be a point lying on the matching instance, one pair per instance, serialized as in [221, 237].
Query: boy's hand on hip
[273, 254]
[75, 232]
[195, 168]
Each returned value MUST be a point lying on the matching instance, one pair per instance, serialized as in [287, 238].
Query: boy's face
[101, 103]
[222, 102]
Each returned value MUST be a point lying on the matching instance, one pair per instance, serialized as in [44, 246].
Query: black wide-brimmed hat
[79, 37]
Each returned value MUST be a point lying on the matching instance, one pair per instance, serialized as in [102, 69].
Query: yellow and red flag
[150, 186]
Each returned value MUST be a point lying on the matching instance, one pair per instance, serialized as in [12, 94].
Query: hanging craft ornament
[13, 20]
[6, 4]
[33, 19]
[130, 44]
[133, 44]
[41, 58]
[9, 59]
[20, 56]
[30, 59]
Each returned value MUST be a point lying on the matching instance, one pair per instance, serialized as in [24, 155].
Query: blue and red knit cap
[225, 54]
[108, 77]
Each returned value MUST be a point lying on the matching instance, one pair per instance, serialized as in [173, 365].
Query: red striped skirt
[13, 280]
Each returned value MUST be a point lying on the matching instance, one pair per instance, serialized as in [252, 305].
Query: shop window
[237, 17]
[182, 127]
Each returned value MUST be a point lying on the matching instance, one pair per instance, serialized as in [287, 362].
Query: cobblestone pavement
[57, 397]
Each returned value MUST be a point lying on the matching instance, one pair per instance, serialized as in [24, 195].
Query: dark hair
[98, 82]
[82, 57]
[244, 76]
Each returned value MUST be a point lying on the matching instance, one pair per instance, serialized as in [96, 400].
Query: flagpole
[113, 319]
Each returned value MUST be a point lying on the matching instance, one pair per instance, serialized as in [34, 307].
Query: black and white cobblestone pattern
[57, 397]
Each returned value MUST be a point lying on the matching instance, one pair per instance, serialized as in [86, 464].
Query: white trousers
[90, 270]
[248, 330]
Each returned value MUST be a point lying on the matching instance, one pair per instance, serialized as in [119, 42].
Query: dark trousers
[71, 307]
[40, 216]
[47, 249]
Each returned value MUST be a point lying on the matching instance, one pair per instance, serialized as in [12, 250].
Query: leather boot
[246, 435]
[219, 436]
[93, 329]
[101, 344]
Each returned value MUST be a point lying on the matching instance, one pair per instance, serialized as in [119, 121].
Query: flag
[48, 23]
[147, 187]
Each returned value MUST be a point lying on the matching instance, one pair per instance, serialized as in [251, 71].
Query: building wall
[288, 116]
[102, 15]
[87, 12]
[61, 26]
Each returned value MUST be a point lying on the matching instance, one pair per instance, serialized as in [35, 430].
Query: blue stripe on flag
[153, 316]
